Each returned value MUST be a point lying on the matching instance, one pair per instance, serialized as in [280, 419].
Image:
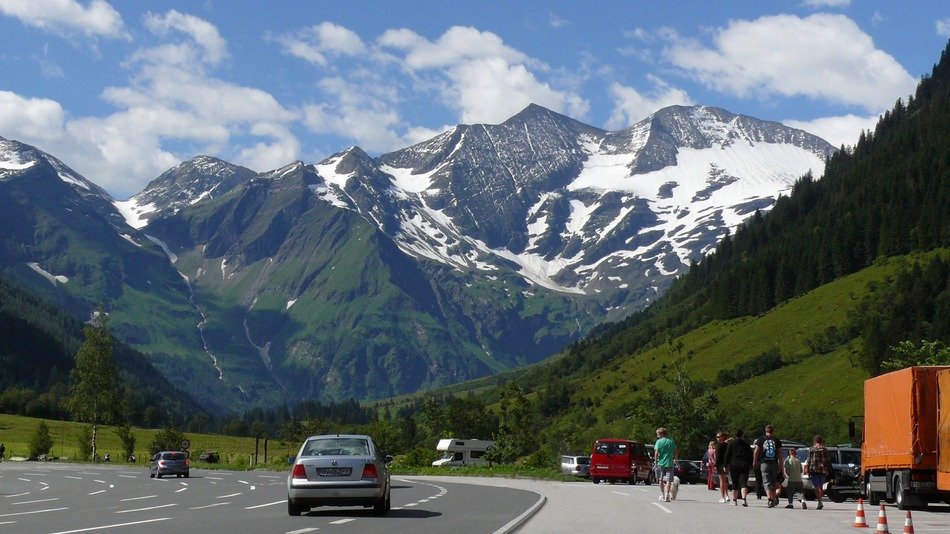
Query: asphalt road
[72, 498]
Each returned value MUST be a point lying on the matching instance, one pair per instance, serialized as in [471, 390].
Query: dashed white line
[138, 498]
[17, 495]
[103, 527]
[228, 495]
[263, 505]
[34, 502]
[72, 477]
[661, 507]
[342, 521]
[180, 490]
[146, 509]
[34, 512]
[621, 493]
[210, 505]
[413, 504]
[303, 530]
[96, 492]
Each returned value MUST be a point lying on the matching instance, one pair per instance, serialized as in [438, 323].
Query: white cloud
[557, 22]
[823, 57]
[314, 44]
[478, 75]
[99, 19]
[818, 4]
[838, 131]
[943, 27]
[30, 119]
[632, 106]
[204, 33]
[355, 112]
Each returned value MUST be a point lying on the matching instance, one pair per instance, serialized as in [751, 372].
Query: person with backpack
[768, 452]
[818, 467]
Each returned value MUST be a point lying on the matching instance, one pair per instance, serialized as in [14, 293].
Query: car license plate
[334, 471]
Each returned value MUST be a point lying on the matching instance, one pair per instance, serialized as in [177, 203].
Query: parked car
[578, 466]
[845, 479]
[169, 463]
[339, 470]
[688, 472]
[620, 460]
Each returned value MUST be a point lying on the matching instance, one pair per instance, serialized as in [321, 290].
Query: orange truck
[905, 454]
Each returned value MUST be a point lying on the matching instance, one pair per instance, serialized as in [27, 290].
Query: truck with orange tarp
[905, 454]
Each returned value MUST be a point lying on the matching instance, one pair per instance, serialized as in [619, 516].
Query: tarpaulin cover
[943, 427]
[900, 419]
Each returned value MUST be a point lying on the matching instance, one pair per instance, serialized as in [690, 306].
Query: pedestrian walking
[768, 452]
[792, 467]
[818, 467]
[665, 450]
[722, 442]
[738, 462]
[3, 450]
[709, 462]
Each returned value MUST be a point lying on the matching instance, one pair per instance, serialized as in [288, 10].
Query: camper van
[462, 451]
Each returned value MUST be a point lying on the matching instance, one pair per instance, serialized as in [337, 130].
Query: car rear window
[611, 447]
[583, 460]
[337, 447]
[173, 456]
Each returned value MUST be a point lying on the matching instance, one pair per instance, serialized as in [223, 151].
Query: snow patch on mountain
[53, 278]
[133, 212]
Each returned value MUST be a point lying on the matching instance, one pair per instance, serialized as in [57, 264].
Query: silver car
[339, 470]
[170, 463]
[578, 466]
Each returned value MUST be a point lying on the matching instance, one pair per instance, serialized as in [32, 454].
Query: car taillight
[187, 463]
[369, 471]
[299, 471]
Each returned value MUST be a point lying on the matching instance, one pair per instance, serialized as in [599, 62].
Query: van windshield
[611, 447]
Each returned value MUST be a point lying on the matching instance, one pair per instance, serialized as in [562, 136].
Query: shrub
[84, 442]
[41, 442]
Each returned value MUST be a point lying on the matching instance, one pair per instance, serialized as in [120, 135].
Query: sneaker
[735, 502]
[745, 503]
[804, 505]
[820, 506]
[789, 506]
[662, 498]
[667, 498]
[771, 503]
[721, 500]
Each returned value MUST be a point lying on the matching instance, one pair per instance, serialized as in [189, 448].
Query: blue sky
[122, 90]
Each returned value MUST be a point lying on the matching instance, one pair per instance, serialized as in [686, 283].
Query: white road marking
[210, 505]
[180, 490]
[228, 495]
[661, 507]
[72, 477]
[7, 522]
[138, 498]
[128, 476]
[342, 521]
[253, 488]
[34, 512]
[35, 474]
[25, 479]
[96, 492]
[214, 478]
[396, 508]
[17, 495]
[99, 481]
[34, 502]
[146, 509]
[103, 527]
[263, 505]
[422, 500]
[621, 493]
[243, 482]
[413, 504]
[301, 531]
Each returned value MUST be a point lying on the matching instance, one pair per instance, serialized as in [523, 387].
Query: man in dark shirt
[767, 456]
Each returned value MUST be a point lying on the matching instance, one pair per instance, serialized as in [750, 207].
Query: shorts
[664, 473]
[817, 480]
[793, 488]
[739, 475]
[770, 474]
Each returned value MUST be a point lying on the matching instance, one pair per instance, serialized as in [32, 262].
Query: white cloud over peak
[456, 45]
[943, 27]
[315, 43]
[39, 119]
[838, 131]
[818, 4]
[823, 57]
[203, 33]
[98, 19]
[632, 106]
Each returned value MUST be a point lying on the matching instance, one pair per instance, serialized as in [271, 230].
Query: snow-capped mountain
[481, 249]
[192, 181]
[572, 208]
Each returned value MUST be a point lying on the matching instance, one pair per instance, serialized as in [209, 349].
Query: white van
[462, 451]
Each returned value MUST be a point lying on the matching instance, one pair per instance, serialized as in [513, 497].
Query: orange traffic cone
[859, 520]
[908, 524]
[881, 521]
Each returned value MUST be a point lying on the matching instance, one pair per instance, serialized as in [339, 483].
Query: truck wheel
[874, 499]
[595, 480]
[900, 494]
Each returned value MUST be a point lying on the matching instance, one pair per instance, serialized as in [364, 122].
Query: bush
[41, 442]
[418, 457]
[542, 458]
[127, 438]
[166, 439]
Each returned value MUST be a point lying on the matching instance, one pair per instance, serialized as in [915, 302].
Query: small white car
[339, 470]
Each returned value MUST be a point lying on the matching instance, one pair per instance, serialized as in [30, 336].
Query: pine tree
[94, 383]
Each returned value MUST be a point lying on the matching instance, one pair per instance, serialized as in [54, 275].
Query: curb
[515, 523]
